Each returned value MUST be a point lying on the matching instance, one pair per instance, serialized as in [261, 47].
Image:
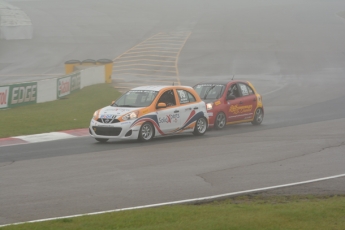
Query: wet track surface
[293, 53]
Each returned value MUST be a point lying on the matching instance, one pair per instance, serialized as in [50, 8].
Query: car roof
[217, 82]
[159, 87]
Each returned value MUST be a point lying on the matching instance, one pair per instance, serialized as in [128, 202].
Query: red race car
[231, 102]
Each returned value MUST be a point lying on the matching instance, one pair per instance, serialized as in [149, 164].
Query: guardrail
[20, 94]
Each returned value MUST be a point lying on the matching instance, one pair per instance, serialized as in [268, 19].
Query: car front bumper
[120, 130]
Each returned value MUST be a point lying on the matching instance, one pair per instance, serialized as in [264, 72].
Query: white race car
[148, 111]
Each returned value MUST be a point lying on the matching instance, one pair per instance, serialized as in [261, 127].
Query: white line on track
[273, 91]
[202, 199]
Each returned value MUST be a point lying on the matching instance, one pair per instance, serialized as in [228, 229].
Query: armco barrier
[26, 93]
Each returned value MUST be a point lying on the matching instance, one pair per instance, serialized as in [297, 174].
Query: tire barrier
[70, 66]
[75, 65]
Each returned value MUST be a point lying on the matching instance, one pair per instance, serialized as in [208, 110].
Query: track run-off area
[292, 51]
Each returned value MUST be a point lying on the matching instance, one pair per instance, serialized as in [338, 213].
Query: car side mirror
[161, 105]
[112, 102]
[230, 97]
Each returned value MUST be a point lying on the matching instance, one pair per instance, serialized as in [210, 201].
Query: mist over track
[292, 51]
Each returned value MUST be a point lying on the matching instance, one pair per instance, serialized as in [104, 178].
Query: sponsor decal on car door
[168, 119]
[249, 100]
[237, 110]
[242, 108]
[189, 110]
[235, 105]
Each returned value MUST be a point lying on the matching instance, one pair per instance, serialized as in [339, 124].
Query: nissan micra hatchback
[231, 102]
[148, 111]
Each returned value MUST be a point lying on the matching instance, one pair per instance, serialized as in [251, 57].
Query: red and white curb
[43, 137]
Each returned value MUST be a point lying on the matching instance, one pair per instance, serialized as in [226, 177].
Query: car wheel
[101, 140]
[259, 116]
[200, 126]
[220, 121]
[146, 132]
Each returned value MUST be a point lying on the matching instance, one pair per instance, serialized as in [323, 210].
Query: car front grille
[107, 131]
[107, 121]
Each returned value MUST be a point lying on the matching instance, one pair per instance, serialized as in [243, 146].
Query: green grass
[242, 213]
[75, 111]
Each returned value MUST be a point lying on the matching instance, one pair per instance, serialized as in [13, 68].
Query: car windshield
[209, 91]
[136, 98]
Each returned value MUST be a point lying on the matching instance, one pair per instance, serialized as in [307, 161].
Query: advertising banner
[23, 94]
[4, 93]
[68, 84]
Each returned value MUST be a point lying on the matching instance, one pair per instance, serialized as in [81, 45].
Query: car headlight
[130, 116]
[95, 115]
[209, 106]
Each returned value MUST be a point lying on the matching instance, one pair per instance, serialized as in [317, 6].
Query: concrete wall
[25, 93]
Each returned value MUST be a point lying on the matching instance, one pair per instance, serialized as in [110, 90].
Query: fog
[241, 37]
[293, 51]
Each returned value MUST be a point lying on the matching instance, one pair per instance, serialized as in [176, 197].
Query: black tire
[259, 116]
[102, 140]
[200, 126]
[220, 122]
[146, 132]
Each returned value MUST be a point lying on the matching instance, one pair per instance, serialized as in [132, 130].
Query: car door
[234, 104]
[249, 101]
[243, 106]
[188, 108]
[168, 117]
